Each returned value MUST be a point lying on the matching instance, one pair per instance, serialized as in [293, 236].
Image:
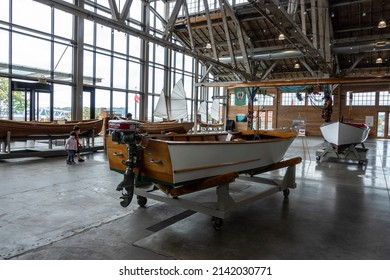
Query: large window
[30, 51]
[4, 50]
[384, 98]
[31, 14]
[264, 100]
[360, 98]
[293, 99]
[43, 46]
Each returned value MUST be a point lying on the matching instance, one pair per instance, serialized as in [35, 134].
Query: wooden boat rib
[23, 129]
[175, 160]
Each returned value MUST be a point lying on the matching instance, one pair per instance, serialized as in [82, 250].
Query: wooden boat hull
[345, 134]
[181, 159]
[22, 129]
[163, 127]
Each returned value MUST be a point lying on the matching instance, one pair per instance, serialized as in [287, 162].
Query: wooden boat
[166, 126]
[341, 134]
[23, 129]
[177, 159]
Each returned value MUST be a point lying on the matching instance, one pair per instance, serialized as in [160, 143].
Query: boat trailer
[226, 200]
[349, 152]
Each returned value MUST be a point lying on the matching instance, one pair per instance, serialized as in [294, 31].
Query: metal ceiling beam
[287, 20]
[189, 29]
[172, 19]
[227, 34]
[310, 81]
[114, 9]
[89, 15]
[126, 9]
[269, 70]
[240, 35]
[357, 61]
[205, 74]
[210, 29]
[308, 68]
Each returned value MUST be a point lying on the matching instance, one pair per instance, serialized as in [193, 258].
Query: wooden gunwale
[197, 142]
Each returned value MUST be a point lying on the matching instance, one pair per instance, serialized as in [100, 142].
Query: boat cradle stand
[350, 153]
[226, 201]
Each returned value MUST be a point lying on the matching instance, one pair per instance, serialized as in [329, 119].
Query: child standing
[71, 147]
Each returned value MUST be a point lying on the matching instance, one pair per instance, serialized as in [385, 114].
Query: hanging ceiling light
[382, 24]
[297, 66]
[281, 37]
[208, 46]
[378, 60]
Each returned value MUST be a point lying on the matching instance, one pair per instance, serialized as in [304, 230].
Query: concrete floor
[339, 210]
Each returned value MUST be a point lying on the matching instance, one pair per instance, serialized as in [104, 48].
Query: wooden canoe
[23, 129]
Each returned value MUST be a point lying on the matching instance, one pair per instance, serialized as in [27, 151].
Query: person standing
[76, 129]
[71, 147]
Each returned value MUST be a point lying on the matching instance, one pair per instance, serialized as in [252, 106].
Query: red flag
[136, 98]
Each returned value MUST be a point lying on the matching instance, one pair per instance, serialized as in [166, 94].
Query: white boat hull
[342, 134]
[193, 161]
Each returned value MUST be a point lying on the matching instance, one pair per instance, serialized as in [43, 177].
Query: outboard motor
[126, 132]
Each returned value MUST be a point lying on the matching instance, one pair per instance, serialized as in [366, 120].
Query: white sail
[177, 108]
[202, 111]
[161, 107]
[215, 109]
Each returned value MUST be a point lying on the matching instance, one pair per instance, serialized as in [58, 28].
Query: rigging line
[59, 60]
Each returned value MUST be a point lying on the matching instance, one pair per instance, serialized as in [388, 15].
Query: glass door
[31, 101]
[89, 103]
[383, 126]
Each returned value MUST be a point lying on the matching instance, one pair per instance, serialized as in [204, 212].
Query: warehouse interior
[102, 59]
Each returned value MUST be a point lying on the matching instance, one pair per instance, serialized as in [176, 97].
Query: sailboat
[214, 112]
[172, 110]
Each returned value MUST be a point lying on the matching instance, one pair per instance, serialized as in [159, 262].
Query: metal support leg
[224, 200]
[288, 181]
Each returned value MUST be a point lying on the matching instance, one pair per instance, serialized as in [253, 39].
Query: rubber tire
[142, 201]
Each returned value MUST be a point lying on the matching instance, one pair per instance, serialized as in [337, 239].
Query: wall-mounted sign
[239, 97]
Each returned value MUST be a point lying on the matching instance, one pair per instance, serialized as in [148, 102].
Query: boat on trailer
[342, 134]
[180, 164]
[177, 159]
[343, 139]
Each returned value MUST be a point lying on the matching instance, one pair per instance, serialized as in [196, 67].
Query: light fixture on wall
[382, 24]
[281, 37]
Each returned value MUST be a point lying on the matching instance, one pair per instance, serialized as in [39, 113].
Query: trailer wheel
[141, 201]
[217, 223]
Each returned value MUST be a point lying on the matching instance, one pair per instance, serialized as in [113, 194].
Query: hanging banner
[239, 97]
